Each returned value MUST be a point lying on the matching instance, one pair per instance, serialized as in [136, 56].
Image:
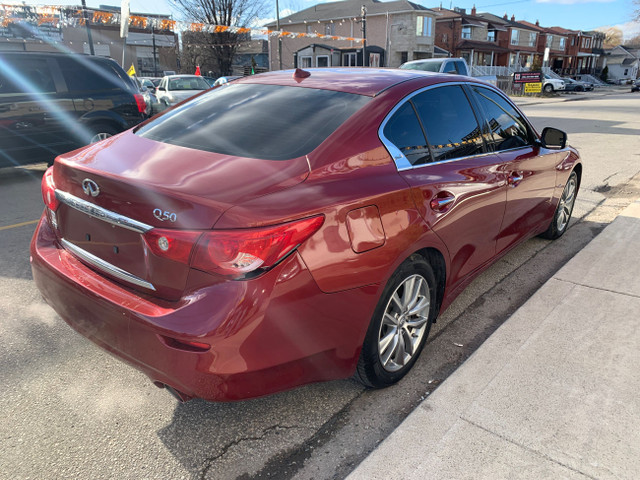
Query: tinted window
[450, 125]
[82, 74]
[507, 127]
[25, 75]
[461, 67]
[257, 121]
[405, 132]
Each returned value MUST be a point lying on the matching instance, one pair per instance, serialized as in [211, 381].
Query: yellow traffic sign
[532, 87]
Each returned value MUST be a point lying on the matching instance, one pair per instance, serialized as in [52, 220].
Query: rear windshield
[426, 66]
[271, 122]
[188, 83]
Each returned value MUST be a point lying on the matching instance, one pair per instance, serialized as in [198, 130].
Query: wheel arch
[438, 264]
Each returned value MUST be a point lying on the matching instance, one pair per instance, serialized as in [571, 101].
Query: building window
[404, 57]
[626, 72]
[549, 41]
[466, 31]
[533, 38]
[309, 28]
[445, 37]
[423, 26]
[512, 59]
[515, 37]
[563, 41]
[349, 59]
[573, 41]
[330, 29]
[306, 62]
[491, 36]
[322, 61]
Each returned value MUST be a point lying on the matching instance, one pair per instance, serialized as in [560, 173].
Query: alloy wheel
[404, 323]
[100, 136]
[565, 207]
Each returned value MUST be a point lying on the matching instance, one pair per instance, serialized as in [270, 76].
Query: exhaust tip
[180, 396]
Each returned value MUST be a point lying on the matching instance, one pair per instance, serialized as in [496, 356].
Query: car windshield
[188, 83]
[425, 66]
[270, 122]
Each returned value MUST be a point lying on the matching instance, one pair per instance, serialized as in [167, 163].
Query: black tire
[548, 88]
[580, 89]
[101, 131]
[562, 215]
[372, 371]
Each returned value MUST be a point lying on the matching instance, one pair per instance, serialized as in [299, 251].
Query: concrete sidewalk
[553, 393]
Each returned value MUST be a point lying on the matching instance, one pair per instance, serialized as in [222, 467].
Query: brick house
[468, 36]
[520, 40]
[397, 32]
[584, 51]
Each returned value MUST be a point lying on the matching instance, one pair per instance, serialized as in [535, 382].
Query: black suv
[51, 103]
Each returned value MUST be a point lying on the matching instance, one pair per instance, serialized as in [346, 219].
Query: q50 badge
[163, 216]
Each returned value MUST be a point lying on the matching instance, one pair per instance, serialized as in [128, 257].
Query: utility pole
[153, 39]
[363, 12]
[86, 22]
[279, 37]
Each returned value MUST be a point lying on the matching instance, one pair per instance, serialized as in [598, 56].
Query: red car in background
[295, 226]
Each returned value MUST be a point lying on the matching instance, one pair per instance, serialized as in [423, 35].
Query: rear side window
[270, 122]
[461, 68]
[84, 75]
[449, 122]
[507, 127]
[404, 131]
[25, 75]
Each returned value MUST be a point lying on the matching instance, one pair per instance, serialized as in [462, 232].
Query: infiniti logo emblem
[90, 187]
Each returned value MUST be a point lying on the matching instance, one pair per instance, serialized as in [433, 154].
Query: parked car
[237, 246]
[571, 85]
[551, 84]
[635, 86]
[51, 103]
[176, 88]
[222, 80]
[443, 65]
[148, 91]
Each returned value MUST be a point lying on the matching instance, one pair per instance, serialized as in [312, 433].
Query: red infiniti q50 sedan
[294, 226]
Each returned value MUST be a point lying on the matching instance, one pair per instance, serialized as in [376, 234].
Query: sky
[572, 14]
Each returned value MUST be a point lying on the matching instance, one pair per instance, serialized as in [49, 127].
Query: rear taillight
[238, 252]
[49, 190]
[173, 244]
[232, 253]
[142, 105]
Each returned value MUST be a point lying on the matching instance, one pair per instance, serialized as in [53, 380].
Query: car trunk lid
[113, 192]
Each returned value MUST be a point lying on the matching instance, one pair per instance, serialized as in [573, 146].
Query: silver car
[176, 88]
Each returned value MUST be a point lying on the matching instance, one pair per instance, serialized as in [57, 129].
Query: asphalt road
[69, 410]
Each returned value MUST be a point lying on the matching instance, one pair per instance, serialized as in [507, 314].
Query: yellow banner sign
[532, 87]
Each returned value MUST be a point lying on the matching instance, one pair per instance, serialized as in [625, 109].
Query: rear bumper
[272, 333]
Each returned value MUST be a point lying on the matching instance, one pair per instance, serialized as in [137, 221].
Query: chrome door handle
[440, 203]
[513, 180]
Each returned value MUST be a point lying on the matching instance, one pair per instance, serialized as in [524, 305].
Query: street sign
[533, 87]
[527, 77]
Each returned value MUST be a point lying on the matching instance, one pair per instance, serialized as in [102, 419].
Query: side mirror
[553, 138]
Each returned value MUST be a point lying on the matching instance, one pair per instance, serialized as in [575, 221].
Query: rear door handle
[442, 201]
[514, 179]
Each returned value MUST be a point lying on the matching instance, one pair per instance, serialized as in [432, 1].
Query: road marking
[16, 225]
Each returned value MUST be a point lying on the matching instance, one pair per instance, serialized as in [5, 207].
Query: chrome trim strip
[106, 266]
[102, 213]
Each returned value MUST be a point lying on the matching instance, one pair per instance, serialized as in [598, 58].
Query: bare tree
[232, 13]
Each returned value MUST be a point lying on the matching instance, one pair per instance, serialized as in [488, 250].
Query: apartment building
[396, 32]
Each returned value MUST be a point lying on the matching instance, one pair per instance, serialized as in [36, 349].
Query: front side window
[404, 131]
[507, 128]
[239, 120]
[449, 123]
[83, 75]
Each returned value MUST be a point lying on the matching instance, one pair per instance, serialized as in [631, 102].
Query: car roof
[362, 81]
